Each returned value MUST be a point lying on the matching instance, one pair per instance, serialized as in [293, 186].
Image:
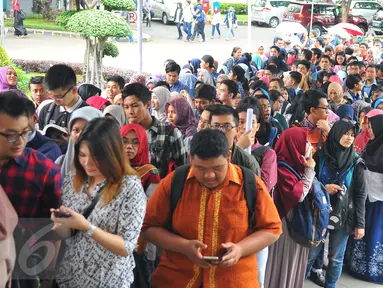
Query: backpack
[259, 152]
[167, 165]
[308, 226]
[177, 188]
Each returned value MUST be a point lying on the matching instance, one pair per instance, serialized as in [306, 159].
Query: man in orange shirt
[210, 219]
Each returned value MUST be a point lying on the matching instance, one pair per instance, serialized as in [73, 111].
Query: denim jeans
[262, 261]
[231, 31]
[213, 27]
[337, 247]
[199, 28]
[179, 30]
[187, 29]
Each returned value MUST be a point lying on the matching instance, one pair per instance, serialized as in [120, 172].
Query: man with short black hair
[370, 80]
[36, 140]
[270, 71]
[210, 217]
[165, 141]
[114, 86]
[228, 91]
[60, 82]
[276, 84]
[363, 50]
[204, 120]
[317, 53]
[319, 43]
[226, 119]
[353, 68]
[354, 83]
[293, 80]
[329, 51]
[307, 55]
[324, 65]
[172, 71]
[205, 95]
[37, 89]
[275, 52]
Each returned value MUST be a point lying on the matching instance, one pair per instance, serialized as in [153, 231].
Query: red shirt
[32, 183]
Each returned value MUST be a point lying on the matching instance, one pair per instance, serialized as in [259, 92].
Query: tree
[96, 26]
[346, 4]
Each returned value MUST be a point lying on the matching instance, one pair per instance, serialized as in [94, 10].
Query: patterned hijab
[163, 96]
[142, 156]
[186, 120]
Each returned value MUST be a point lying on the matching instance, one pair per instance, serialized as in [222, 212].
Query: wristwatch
[91, 230]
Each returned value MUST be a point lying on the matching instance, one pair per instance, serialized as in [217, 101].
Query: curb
[145, 37]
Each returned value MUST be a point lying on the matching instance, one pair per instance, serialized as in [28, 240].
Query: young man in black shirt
[60, 82]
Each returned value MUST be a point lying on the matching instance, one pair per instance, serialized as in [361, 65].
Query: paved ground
[163, 46]
[346, 281]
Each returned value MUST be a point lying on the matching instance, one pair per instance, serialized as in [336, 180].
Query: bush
[124, 5]
[98, 23]
[50, 14]
[63, 18]
[37, 6]
[110, 50]
[22, 81]
[238, 7]
[42, 66]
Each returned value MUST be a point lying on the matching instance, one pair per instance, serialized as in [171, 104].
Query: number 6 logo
[28, 250]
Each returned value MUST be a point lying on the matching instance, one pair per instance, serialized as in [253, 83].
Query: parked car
[323, 16]
[165, 10]
[367, 9]
[268, 12]
[377, 22]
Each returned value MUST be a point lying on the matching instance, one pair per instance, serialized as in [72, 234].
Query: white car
[366, 8]
[165, 10]
[268, 12]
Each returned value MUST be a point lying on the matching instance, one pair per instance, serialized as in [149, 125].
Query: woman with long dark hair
[105, 205]
[234, 57]
[237, 74]
[365, 256]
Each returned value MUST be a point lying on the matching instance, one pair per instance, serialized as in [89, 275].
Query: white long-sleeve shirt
[187, 15]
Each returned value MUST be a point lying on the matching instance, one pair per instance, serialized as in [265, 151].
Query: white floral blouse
[88, 264]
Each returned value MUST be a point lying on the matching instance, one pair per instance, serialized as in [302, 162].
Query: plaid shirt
[32, 183]
[158, 134]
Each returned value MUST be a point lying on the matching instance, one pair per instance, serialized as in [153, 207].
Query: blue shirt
[178, 87]
[367, 89]
[45, 146]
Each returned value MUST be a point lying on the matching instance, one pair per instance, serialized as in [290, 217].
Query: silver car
[366, 8]
[165, 10]
[268, 12]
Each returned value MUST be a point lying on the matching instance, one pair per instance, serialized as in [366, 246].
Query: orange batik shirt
[212, 217]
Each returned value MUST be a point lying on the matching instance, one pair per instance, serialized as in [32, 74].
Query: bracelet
[91, 230]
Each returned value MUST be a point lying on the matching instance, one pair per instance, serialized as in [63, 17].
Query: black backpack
[177, 188]
[259, 152]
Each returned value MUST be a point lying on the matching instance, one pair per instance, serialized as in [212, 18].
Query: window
[260, 3]
[294, 8]
[274, 3]
[322, 10]
[283, 3]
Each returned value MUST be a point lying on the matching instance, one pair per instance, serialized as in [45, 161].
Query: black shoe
[318, 278]
[179, 38]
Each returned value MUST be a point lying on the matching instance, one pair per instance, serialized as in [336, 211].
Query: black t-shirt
[51, 114]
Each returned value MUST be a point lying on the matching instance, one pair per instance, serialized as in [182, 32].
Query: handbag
[23, 16]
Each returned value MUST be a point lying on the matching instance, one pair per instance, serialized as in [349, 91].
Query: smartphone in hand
[59, 214]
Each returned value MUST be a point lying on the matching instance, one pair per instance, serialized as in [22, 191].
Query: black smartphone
[210, 258]
[59, 214]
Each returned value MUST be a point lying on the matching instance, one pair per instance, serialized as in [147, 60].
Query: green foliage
[35, 16]
[124, 5]
[238, 7]
[36, 24]
[63, 18]
[98, 23]
[110, 50]
[22, 81]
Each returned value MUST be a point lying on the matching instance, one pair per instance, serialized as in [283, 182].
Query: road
[163, 46]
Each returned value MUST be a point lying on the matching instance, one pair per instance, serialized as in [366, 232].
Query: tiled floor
[346, 281]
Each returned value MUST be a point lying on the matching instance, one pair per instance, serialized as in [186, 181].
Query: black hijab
[337, 157]
[373, 155]
[88, 90]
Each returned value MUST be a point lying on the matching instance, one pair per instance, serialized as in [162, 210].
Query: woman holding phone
[106, 206]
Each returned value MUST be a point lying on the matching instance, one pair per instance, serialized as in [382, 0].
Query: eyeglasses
[14, 137]
[224, 127]
[134, 142]
[60, 97]
[323, 108]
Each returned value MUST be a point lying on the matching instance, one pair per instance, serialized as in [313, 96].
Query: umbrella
[342, 33]
[350, 28]
[290, 27]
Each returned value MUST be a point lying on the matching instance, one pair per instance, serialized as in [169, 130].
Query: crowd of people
[163, 181]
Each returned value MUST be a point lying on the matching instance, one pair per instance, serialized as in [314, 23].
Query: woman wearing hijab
[137, 78]
[160, 96]
[137, 151]
[77, 122]
[335, 95]
[88, 90]
[8, 80]
[339, 169]
[98, 102]
[189, 80]
[205, 77]
[364, 136]
[365, 256]
[195, 65]
[181, 114]
[152, 83]
[346, 111]
[115, 112]
[20, 30]
[287, 260]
